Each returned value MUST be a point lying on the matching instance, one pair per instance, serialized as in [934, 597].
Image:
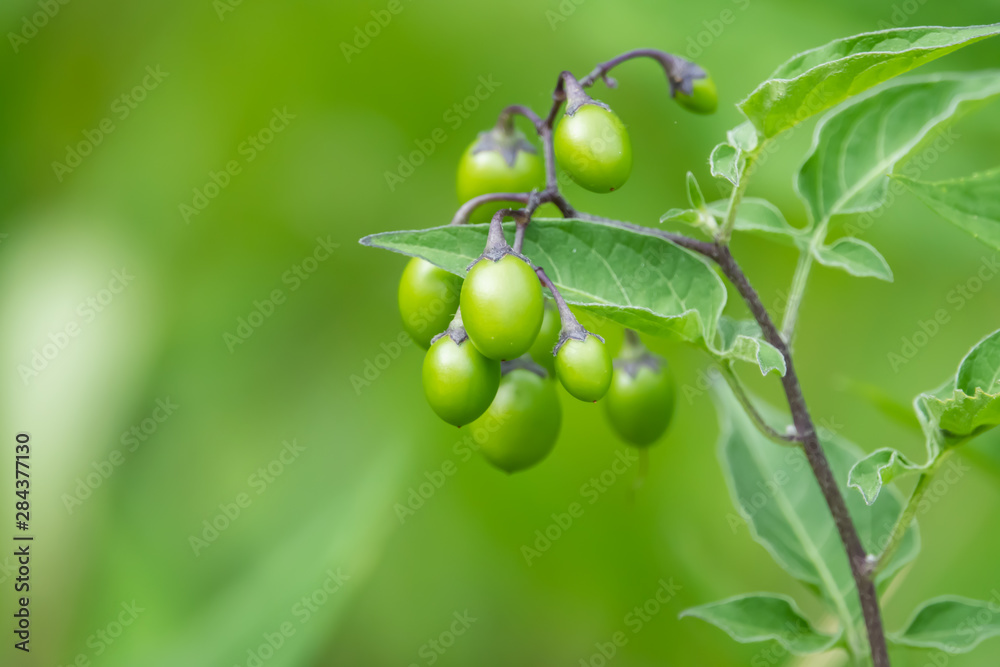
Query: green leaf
[634, 278]
[773, 489]
[741, 340]
[695, 197]
[877, 469]
[972, 204]
[963, 415]
[727, 162]
[967, 404]
[820, 78]
[856, 146]
[758, 216]
[980, 369]
[951, 624]
[758, 617]
[855, 256]
[686, 216]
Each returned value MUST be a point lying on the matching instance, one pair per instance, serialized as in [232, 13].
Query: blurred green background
[296, 133]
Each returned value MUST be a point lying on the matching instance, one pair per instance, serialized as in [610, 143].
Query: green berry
[640, 402]
[593, 146]
[459, 381]
[428, 299]
[502, 306]
[584, 367]
[703, 97]
[548, 336]
[523, 421]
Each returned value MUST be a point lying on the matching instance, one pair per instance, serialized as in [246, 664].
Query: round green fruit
[523, 421]
[499, 163]
[548, 336]
[703, 97]
[593, 147]
[459, 382]
[640, 402]
[428, 299]
[502, 306]
[584, 368]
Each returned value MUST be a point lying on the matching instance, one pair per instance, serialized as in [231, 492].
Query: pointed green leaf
[972, 204]
[880, 467]
[774, 490]
[951, 624]
[741, 340]
[855, 256]
[856, 146]
[727, 162]
[967, 404]
[634, 278]
[963, 415]
[758, 617]
[980, 369]
[686, 216]
[758, 216]
[695, 197]
[818, 79]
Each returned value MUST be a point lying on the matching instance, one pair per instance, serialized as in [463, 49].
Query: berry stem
[571, 327]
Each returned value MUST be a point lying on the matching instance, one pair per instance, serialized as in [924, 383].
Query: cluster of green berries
[495, 346]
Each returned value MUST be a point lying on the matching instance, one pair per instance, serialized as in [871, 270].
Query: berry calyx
[459, 382]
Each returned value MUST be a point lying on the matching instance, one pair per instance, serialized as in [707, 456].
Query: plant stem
[737, 387]
[856, 555]
[734, 202]
[799, 280]
[907, 516]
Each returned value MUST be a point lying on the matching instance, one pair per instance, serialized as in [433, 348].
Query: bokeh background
[319, 563]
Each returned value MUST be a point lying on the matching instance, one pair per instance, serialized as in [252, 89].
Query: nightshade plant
[667, 284]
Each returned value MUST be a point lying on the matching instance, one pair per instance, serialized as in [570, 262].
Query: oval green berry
[502, 306]
[459, 382]
[428, 299]
[584, 368]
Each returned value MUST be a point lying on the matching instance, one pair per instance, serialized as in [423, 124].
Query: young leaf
[880, 467]
[761, 217]
[758, 617]
[774, 491]
[972, 204]
[727, 162]
[818, 79]
[858, 144]
[857, 257]
[742, 340]
[951, 624]
[980, 369]
[636, 279]
[967, 404]
[686, 216]
[695, 198]
[962, 415]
